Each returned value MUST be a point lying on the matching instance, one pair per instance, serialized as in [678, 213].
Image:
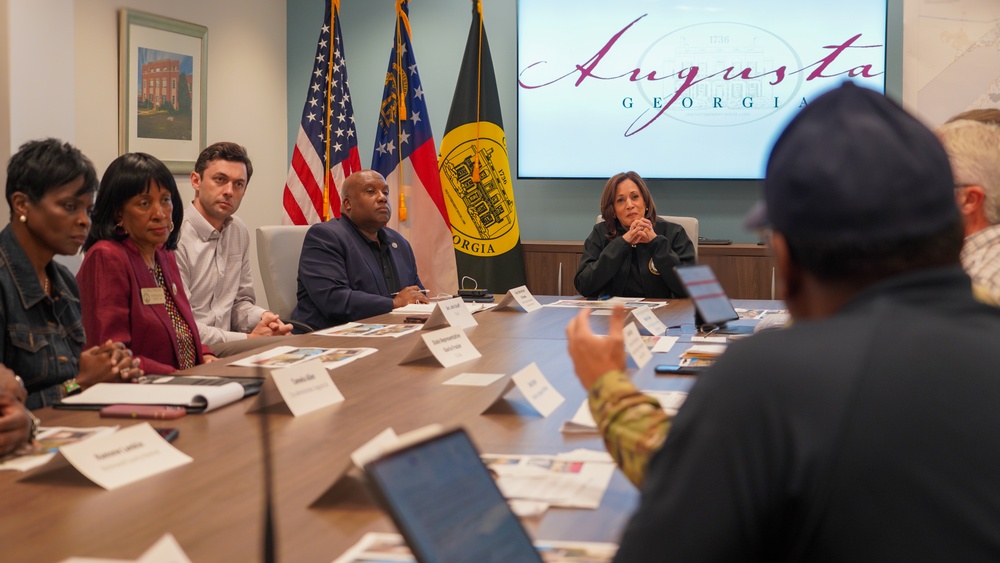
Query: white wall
[38, 77]
[63, 82]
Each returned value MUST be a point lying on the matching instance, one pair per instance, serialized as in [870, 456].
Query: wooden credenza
[744, 270]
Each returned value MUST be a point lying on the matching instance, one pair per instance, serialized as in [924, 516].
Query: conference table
[214, 506]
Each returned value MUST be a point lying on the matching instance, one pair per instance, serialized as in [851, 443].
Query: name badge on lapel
[153, 296]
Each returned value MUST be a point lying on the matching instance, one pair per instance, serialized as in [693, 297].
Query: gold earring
[23, 218]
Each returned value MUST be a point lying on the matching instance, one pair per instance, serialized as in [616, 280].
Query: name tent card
[127, 456]
[374, 447]
[636, 347]
[474, 379]
[451, 312]
[647, 320]
[664, 344]
[387, 440]
[539, 392]
[520, 296]
[306, 387]
[449, 346]
[165, 550]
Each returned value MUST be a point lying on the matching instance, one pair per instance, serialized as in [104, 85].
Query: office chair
[278, 251]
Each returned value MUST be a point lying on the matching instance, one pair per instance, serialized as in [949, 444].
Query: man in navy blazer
[355, 267]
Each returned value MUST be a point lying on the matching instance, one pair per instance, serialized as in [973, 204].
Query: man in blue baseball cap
[865, 431]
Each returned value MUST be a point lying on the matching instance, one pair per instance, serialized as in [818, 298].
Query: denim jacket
[43, 335]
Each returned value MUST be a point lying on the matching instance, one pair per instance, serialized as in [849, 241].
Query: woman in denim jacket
[50, 190]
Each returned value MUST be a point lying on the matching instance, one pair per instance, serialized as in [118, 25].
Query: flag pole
[476, 177]
[400, 102]
[327, 110]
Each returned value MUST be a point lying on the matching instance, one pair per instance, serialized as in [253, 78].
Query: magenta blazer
[111, 280]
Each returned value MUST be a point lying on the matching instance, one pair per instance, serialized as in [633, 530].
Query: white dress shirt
[215, 268]
[981, 260]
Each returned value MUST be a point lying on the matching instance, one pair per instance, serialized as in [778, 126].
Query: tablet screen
[709, 298]
[447, 506]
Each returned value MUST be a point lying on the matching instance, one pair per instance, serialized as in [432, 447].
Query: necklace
[46, 285]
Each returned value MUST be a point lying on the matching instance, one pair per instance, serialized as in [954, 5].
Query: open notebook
[196, 393]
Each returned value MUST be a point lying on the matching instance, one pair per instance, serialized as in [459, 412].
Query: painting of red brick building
[164, 95]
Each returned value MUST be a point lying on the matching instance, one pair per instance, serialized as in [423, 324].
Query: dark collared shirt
[380, 250]
[43, 335]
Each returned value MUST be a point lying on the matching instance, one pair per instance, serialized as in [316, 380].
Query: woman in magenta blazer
[130, 287]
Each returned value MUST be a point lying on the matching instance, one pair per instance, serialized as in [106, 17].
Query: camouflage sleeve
[633, 424]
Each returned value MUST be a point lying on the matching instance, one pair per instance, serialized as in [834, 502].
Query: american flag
[405, 155]
[326, 147]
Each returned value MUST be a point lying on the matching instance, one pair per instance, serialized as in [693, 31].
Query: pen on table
[420, 290]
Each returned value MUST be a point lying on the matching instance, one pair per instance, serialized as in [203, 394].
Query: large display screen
[680, 88]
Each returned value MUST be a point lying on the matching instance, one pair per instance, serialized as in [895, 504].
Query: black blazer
[605, 265]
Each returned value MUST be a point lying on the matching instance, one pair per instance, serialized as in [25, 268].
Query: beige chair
[278, 250]
[689, 224]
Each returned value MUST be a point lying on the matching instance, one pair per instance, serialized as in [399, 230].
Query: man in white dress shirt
[214, 253]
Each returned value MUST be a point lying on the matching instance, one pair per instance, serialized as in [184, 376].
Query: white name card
[474, 379]
[539, 392]
[636, 347]
[647, 320]
[387, 441]
[306, 387]
[127, 456]
[167, 549]
[449, 346]
[451, 312]
[664, 344]
[709, 339]
[520, 296]
[374, 447]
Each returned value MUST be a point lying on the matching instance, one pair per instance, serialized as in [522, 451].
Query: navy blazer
[340, 280]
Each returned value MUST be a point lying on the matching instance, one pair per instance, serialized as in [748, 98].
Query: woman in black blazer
[632, 253]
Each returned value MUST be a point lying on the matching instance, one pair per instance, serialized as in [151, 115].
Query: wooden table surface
[213, 506]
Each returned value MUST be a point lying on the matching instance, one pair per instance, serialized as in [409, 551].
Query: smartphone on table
[664, 369]
[154, 412]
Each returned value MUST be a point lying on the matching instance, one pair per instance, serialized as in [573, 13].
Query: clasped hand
[270, 325]
[109, 362]
[15, 422]
[639, 232]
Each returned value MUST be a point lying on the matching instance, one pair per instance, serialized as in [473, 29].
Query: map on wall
[951, 57]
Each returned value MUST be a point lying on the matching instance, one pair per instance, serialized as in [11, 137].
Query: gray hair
[973, 149]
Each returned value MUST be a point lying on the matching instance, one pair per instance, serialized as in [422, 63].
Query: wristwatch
[71, 387]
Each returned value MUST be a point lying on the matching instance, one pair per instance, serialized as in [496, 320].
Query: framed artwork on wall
[162, 88]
